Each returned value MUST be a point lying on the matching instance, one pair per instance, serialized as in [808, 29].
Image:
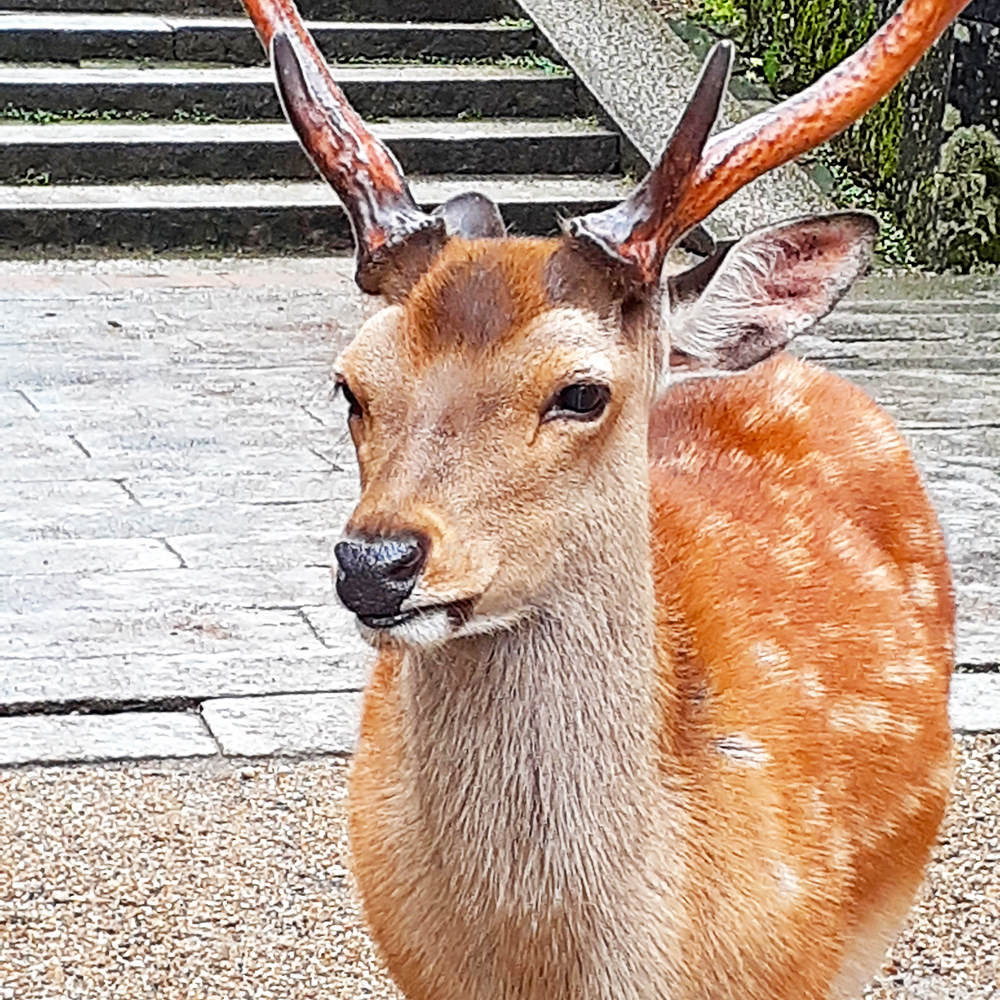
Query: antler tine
[639, 231]
[695, 175]
[365, 175]
[821, 111]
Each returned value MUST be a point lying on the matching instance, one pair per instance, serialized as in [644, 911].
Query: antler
[634, 231]
[364, 174]
[744, 152]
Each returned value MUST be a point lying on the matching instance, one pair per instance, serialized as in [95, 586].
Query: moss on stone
[797, 41]
[871, 146]
[949, 209]
[955, 212]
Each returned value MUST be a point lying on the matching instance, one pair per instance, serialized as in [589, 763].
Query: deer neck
[529, 746]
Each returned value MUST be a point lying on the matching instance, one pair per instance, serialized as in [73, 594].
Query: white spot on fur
[843, 539]
[757, 414]
[770, 656]
[743, 750]
[788, 882]
[856, 550]
[864, 715]
[882, 575]
[792, 550]
[917, 531]
[920, 585]
[787, 400]
[942, 774]
[912, 804]
[716, 521]
[686, 458]
[909, 670]
[812, 684]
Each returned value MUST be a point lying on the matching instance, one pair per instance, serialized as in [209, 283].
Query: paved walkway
[174, 474]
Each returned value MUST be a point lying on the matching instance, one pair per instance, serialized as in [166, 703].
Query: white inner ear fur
[772, 286]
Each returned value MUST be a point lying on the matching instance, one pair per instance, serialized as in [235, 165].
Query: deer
[661, 615]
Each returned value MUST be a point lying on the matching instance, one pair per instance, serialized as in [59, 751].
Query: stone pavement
[175, 471]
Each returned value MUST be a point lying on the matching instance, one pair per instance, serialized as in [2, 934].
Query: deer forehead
[471, 341]
[476, 294]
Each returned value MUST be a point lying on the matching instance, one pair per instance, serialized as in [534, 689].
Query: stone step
[254, 217]
[117, 151]
[331, 10]
[387, 90]
[56, 37]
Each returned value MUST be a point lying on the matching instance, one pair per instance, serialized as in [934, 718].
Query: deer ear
[472, 216]
[758, 294]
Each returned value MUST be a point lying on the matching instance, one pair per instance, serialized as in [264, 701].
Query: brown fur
[698, 748]
[477, 292]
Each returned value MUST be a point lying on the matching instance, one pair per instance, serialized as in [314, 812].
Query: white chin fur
[428, 629]
[432, 628]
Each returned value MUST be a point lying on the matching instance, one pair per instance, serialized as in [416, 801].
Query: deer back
[805, 637]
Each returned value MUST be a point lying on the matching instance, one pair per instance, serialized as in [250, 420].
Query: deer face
[498, 432]
[500, 414]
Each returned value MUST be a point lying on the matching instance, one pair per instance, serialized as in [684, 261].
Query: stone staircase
[152, 125]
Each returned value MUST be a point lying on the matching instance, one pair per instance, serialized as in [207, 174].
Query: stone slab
[428, 192]
[974, 705]
[977, 645]
[156, 152]
[288, 725]
[51, 36]
[54, 739]
[261, 216]
[339, 10]
[160, 591]
[931, 398]
[117, 682]
[91, 555]
[235, 41]
[193, 629]
[267, 535]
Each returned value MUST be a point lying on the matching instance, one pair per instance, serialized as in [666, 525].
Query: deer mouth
[456, 613]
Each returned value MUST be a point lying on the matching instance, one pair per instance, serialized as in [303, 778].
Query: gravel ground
[219, 879]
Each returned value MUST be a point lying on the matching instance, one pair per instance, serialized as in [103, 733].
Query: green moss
[35, 116]
[956, 210]
[799, 40]
[794, 42]
[871, 146]
[724, 16]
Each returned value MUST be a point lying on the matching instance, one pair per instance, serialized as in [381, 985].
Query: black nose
[376, 575]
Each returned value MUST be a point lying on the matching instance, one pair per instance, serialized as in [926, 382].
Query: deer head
[500, 403]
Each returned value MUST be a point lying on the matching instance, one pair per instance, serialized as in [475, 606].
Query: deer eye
[354, 407]
[579, 401]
